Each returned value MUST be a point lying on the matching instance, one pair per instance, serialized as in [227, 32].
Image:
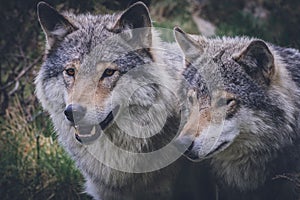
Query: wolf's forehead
[224, 73]
[93, 30]
[87, 21]
[216, 75]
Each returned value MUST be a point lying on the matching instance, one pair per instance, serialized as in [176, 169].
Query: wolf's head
[99, 66]
[238, 95]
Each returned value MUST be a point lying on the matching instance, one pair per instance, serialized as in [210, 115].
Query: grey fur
[262, 132]
[146, 79]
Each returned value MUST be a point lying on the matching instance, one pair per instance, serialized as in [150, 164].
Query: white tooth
[76, 131]
[93, 130]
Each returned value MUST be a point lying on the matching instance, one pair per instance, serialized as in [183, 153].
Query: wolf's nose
[74, 112]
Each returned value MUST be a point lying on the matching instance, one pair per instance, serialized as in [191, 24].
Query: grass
[168, 13]
[32, 164]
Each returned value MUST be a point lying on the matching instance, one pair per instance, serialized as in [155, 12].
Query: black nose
[74, 112]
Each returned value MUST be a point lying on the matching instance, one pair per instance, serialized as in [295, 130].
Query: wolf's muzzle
[86, 133]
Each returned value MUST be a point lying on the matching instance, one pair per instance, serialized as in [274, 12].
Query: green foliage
[168, 14]
[244, 24]
[274, 21]
[32, 164]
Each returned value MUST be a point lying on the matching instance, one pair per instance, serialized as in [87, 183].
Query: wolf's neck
[241, 171]
[139, 139]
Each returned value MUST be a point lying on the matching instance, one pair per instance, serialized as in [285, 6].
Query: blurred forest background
[32, 165]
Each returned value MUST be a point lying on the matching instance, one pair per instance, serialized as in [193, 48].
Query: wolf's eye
[70, 71]
[230, 102]
[108, 72]
[223, 101]
[232, 105]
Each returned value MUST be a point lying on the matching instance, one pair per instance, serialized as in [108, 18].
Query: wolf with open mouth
[107, 82]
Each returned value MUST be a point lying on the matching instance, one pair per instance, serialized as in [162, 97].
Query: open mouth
[88, 133]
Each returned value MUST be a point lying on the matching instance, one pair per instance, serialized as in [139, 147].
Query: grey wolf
[109, 92]
[243, 114]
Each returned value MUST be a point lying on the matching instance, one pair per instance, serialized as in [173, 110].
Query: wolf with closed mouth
[108, 85]
[243, 114]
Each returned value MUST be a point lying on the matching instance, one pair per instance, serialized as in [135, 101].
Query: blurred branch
[15, 88]
[22, 73]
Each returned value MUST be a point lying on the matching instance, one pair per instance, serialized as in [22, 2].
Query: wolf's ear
[190, 47]
[257, 60]
[55, 25]
[137, 18]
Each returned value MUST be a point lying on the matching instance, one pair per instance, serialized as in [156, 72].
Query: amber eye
[230, 101]
[232, 105]
[70, 71]
[223, 101]
[108, 72]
